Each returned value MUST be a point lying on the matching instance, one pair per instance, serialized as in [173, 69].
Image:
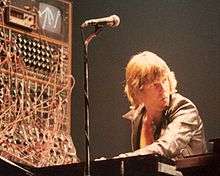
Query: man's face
[155, 96]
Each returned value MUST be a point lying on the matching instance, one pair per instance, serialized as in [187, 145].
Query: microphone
[111, 21]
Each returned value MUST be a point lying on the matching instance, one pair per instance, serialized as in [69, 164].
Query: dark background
[185, 33]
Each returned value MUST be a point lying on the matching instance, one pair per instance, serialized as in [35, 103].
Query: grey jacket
[179, 134]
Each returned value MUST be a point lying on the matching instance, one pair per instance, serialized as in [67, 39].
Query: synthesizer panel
[36, 82]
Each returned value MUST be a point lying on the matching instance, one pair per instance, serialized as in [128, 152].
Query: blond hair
[145, 68]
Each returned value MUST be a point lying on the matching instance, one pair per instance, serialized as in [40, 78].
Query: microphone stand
[86, 42]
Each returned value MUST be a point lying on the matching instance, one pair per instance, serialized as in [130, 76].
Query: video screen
[50, 18]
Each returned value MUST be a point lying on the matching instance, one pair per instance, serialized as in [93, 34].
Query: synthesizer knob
[34, 56]
[2, 34]
[38, 58]
[20, 45]
[29, 48]
[43, 46]
[39, 64]
[19, 52]
[24, 54]
[29, 55]
[38, 45]
[52, 49]
[34, 44]
[19, 39]
[25, 47]
[30, 43]
[25, 41]
[34, 62]
[43, 53]
[38, 51]
[48, 67]
[47, 60]
[47, 54]
[30, 61]
[25, 60]
[48, 48]
[43, 65]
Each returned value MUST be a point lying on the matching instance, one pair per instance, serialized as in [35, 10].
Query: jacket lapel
[136, 130]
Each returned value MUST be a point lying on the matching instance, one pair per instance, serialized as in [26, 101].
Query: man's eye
[156, 84]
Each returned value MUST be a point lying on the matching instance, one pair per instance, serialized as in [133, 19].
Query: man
[163, 121]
